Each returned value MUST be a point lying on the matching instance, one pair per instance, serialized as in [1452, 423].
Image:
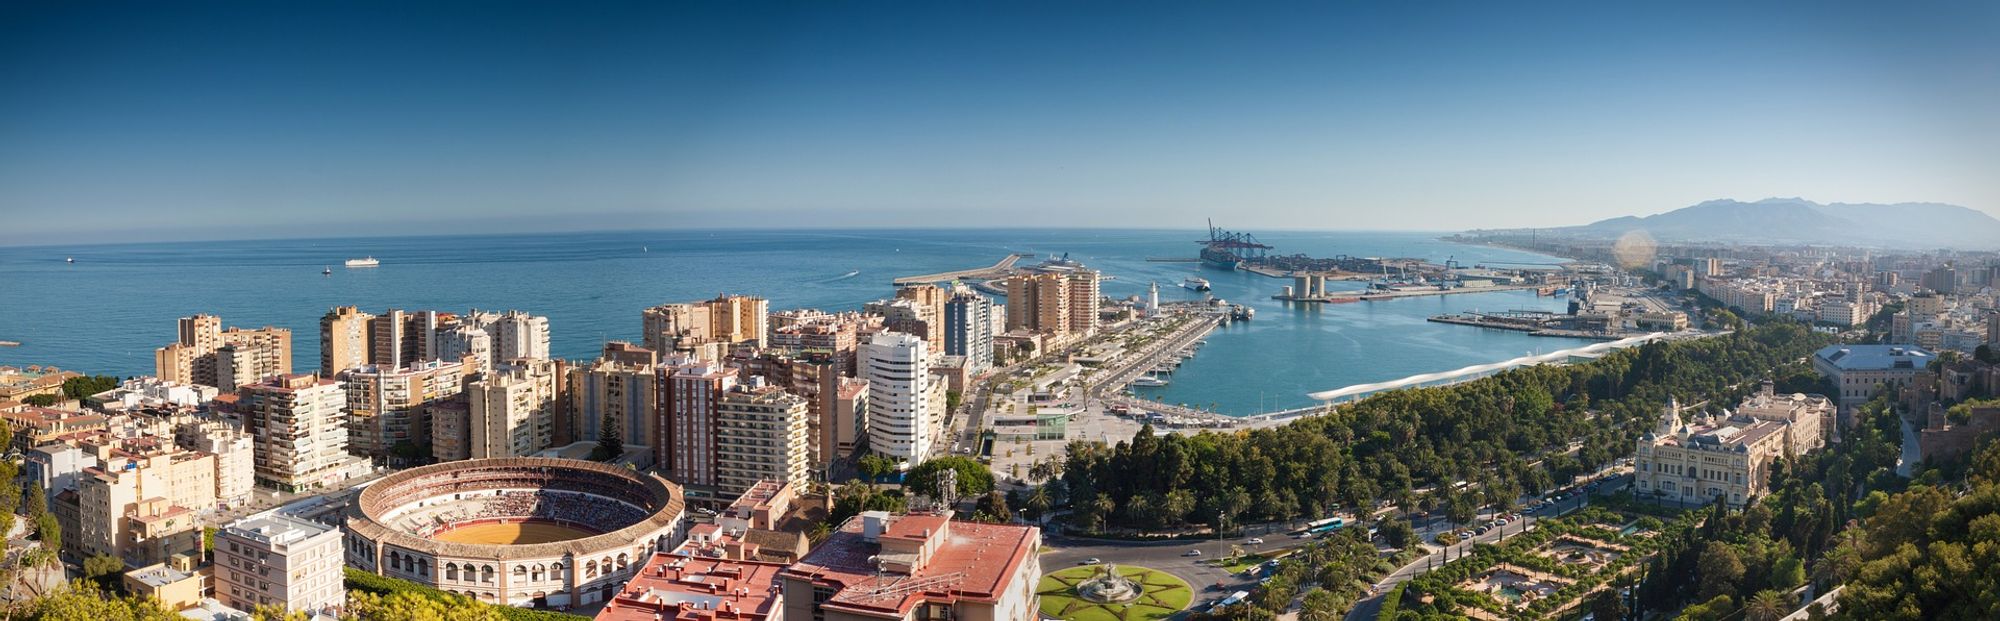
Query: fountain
[1107, 587]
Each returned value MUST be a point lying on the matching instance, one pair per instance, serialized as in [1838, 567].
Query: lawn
[1164, 596]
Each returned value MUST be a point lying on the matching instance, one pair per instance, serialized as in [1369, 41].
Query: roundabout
[1112, 593]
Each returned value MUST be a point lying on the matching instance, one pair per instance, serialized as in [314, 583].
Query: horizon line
[696, 228]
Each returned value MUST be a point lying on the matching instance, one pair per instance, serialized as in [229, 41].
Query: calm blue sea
[106, 312]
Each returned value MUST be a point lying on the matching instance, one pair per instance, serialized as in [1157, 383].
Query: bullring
[518, 531]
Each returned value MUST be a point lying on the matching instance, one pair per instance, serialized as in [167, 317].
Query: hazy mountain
[1905, 225]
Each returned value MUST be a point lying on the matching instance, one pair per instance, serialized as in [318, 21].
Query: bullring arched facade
[388, 526]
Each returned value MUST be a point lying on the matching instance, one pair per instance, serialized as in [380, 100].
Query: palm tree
[1766, 605]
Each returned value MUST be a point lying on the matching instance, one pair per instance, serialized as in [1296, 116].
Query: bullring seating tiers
[460, 482]
[580, 510]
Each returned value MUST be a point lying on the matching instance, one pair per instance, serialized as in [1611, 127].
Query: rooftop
[1874, 357]
[157, 576]
[671, 586]
[969, 560]
[275, 528]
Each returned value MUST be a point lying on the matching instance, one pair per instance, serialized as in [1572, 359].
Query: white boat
[1148, 381]
[1196, 283]
[368, 262]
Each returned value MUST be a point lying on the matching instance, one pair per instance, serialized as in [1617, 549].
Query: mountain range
[1796, 220]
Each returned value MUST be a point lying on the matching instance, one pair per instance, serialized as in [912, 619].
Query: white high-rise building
[515, 334]
[464, 340]
[905, 404]
[279, 560]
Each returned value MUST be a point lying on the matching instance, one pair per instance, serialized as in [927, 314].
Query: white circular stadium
[524, 531]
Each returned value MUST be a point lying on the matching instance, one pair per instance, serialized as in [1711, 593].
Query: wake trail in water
[843, 276]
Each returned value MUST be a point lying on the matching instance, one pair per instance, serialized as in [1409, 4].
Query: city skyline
[218, 121]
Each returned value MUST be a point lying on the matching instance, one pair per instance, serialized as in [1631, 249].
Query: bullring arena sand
[511, 533]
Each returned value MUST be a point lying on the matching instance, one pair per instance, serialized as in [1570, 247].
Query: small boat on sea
[367, 262]
[69, 259]
[326, 272]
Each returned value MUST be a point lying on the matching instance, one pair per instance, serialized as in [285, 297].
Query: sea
[108, 310]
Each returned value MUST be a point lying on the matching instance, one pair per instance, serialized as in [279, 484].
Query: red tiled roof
[973, 561]
[682, 588]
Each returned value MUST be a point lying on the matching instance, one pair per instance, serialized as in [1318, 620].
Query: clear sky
[159, 120]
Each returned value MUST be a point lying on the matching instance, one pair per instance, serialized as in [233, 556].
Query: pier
[1535, 323]
[1105, 386]
[1005, 267]
[1371, 296]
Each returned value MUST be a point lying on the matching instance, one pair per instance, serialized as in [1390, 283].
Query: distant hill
[1796, 220]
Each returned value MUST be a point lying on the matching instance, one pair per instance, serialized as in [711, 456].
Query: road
[1167, 556]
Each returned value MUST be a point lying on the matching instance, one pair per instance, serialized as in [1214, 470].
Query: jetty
[1535, 323]
[1001, 269]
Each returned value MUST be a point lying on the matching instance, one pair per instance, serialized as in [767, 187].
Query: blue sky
[255, 119]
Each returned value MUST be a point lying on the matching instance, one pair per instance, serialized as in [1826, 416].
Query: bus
[1323, 526]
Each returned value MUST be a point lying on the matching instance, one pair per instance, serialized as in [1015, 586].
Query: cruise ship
[367, 262]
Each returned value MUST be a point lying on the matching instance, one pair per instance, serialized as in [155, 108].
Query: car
[1089, 561]
[1191, 553]
[1255, 541]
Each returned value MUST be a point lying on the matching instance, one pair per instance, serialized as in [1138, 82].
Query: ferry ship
[1196, 283]
[367, 262]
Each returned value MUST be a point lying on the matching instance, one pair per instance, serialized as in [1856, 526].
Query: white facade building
[905, 403]
[279, 560]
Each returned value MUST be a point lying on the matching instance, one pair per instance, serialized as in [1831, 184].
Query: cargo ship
[1226, 250]
[367, 262]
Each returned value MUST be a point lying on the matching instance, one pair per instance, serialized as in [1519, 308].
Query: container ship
[1228, 250]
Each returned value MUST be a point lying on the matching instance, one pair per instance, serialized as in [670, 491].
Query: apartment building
[279, 560]
[762, 433]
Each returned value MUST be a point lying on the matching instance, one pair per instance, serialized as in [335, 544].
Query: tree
[873, 467]
[411, 606]
[80, 387]
[1607, 605]
[49, 531]
[973, 477]
[1718, 570]
[1396, 532]
[34, 500]
[103, 569]
[1766, 605]
[1038, 503]
[994, 506]
[42, 400]
[610, 439]
[78, 601]
[1320, 605]
[270, 612]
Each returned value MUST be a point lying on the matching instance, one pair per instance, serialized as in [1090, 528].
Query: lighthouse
[1153, 300]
